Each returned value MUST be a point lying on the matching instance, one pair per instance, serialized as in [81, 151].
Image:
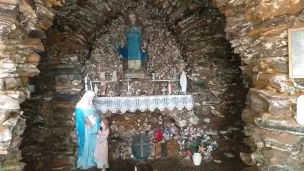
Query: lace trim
[143, 103]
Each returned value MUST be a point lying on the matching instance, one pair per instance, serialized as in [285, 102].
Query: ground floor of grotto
[184, 84]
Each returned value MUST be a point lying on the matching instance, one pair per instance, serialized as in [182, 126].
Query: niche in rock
[133, 135]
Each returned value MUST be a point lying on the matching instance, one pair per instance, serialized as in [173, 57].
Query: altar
[143, 103]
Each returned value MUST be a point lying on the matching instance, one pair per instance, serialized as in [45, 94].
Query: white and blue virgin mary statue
[87, 126]
[132, 51]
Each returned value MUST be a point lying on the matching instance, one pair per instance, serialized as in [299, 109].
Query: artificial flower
[159, 135]
[188, 153]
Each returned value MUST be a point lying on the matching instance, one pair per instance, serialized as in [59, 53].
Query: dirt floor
[175, 164]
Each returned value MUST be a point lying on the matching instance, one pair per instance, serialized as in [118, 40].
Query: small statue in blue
[132, 51]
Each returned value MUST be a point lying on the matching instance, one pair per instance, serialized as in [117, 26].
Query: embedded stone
[7, 102]
[12, 83]
[287, 124]
[34, 44]
[259, 105]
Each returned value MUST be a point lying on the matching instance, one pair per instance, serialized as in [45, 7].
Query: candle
[169, 88]
[86, 83]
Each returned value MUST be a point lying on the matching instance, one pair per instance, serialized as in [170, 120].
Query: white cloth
[143, 103]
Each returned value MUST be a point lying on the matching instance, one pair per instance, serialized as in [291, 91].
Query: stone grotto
[214, 76]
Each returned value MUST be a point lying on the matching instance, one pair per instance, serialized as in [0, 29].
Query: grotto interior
[234, 54]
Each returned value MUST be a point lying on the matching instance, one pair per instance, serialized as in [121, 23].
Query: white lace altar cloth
[143, 103]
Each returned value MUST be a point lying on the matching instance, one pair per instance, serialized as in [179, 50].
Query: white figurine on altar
[183, 82]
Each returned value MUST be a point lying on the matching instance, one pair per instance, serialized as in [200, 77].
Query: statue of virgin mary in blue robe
[132, 51]
[87, 126]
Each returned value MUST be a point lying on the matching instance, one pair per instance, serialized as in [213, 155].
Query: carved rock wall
[258, 32]
[50, 137]
[22, 28]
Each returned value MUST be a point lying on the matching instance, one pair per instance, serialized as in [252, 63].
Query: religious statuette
[175, 77]
[101, 150]
[114, 76]
[153, 75]
[102, 77]
[164, 90]
[86, 83]
[300, 110]
[132, 51]
[183, 82]
[91, 85]
[87, 120]
[96, 89]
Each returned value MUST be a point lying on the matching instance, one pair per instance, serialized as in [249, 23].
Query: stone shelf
[270, 122]
[143, 103]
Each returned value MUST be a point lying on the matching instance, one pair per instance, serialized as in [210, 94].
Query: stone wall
[50, 137]
[214, 78]
[22, 28]
[258, 32]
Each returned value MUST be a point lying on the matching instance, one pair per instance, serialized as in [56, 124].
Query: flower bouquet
[199, 145]
[162, 137]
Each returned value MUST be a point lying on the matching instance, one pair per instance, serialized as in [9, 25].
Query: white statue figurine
[114, 76]
[96, 89]
[102, 77]
[183, 82]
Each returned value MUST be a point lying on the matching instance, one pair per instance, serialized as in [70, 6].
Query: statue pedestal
[140, 74]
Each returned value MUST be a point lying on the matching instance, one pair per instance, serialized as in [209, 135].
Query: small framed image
[296, 52]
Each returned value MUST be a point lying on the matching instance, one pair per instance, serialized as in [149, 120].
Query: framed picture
[296, 52]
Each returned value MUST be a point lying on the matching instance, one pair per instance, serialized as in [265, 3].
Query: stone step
[271, 122]
[64, 105]
[282, 141]
[272, 102]
[68, 87]
[62, 69]
[67, 97]
[279, 159]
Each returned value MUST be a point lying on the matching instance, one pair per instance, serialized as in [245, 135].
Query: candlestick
[169, 88]
[86, 82]
[128, 80]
